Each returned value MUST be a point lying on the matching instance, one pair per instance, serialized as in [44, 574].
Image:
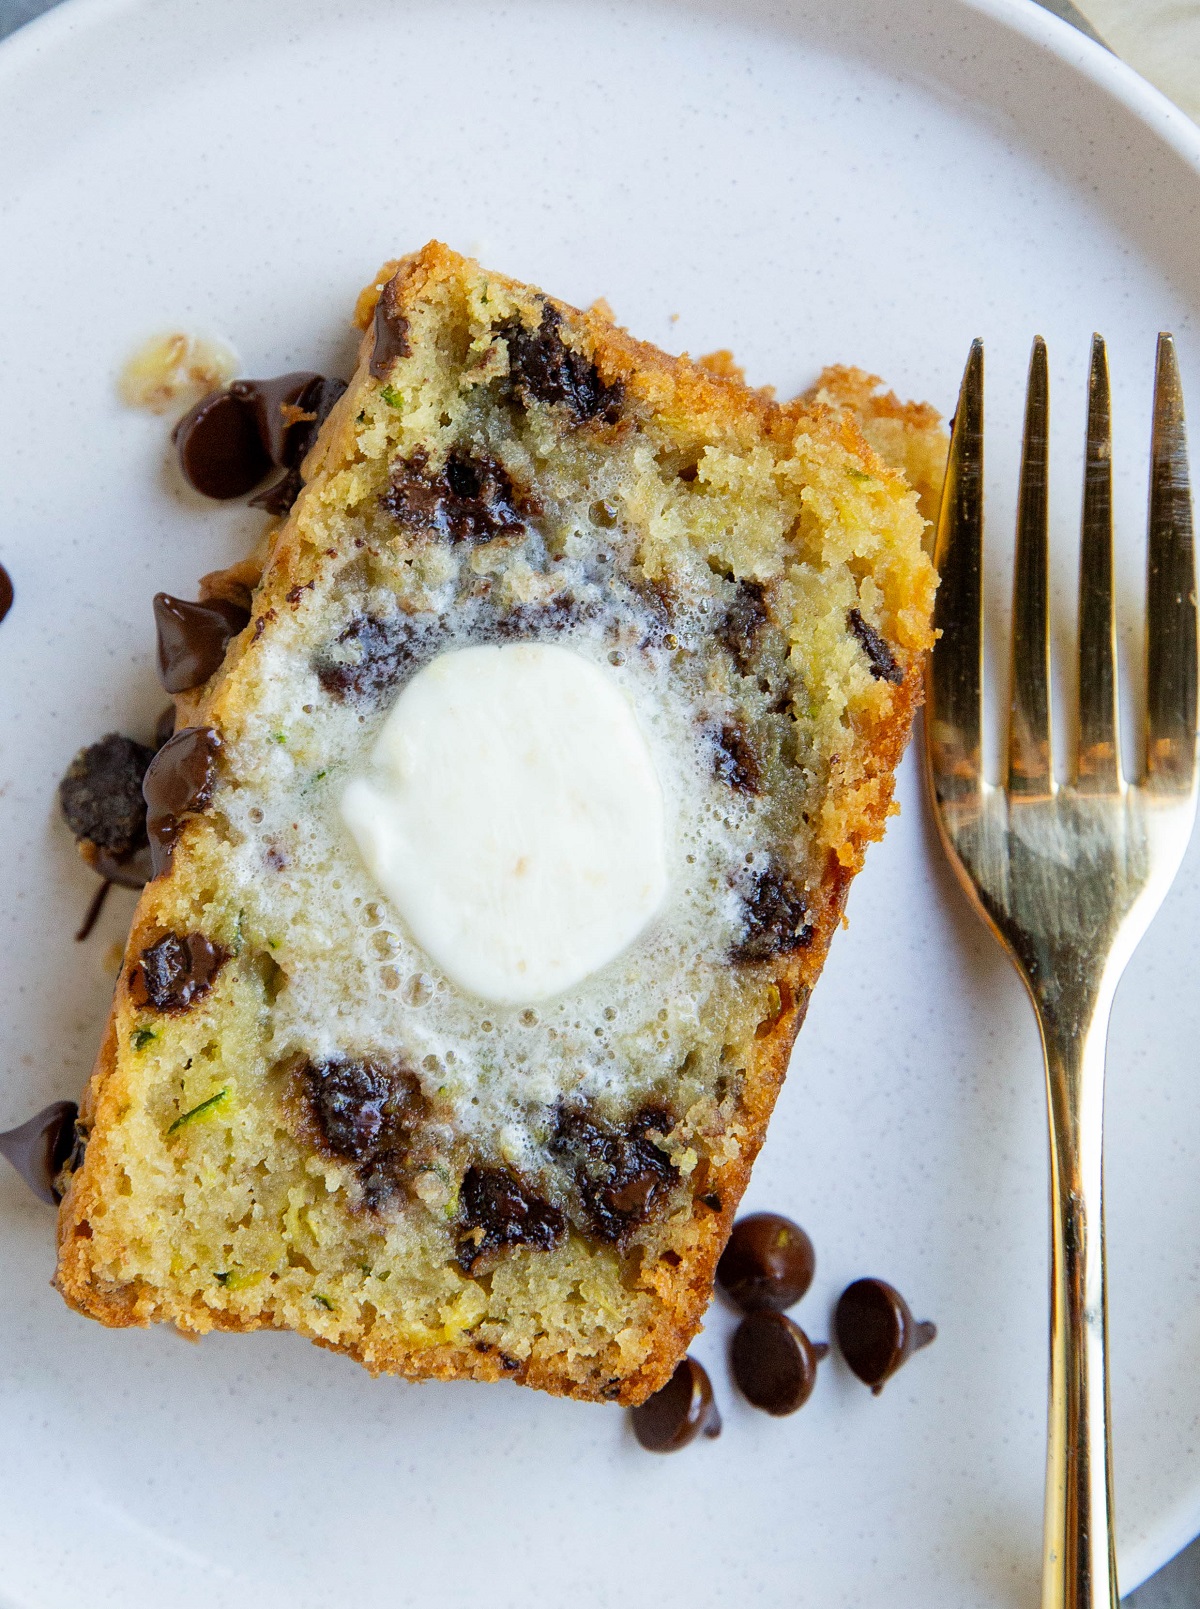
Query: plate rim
[33, 43]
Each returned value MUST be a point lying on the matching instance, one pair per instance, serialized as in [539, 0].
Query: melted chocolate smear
[876, 1331]
[92, 916]
[543, 368]
[179, 781]
[221, 452]
[164, 727]
[41, 1148]
[498, 1209]
[774, 1363]
[621, 1175]
[744, 619]
[775, 914]
[682, 1410]
[372, 655]
[768, 1264]
[882, 661]
[173, 973]
[563, 612]
[193, 638]
[390, 331]
[367, 1112]
[469, 500]
[6, 592]
[734, 760]
[101, 795]
[660, 615]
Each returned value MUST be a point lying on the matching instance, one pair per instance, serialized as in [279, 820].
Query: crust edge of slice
[682, 1290]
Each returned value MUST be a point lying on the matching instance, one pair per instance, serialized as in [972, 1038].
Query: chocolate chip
[101, 794]
[774, 912]
[289, 412]
[220, 450]
[543, 368]
[6, 592]
[774, 1363]
[193, 638]
[178, 783]
[176, 971]
[876, 1331]
[280, 407]
[230, 439]
[682, 1410]
[499, 1209]
[622, 1177]
[768, 1263]
[41, 1148]
[882, 661]
[367, 1111]
[734, 760]
[470, 499]
[390, 336]
[744, 619]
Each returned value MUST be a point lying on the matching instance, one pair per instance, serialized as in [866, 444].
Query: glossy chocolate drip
[682, 1410]
[221, 452]
[390, 333]
[193, 637]
[178, 783]
[40, 1148]
[6, 592]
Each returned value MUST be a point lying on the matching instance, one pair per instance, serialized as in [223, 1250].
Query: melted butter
[512, 813]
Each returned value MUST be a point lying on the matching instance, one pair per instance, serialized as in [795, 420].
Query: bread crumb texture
[295, 1120]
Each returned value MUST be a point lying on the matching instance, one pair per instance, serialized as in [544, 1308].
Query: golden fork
[1068, 877]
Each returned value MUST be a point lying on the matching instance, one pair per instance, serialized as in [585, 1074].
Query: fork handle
[1079, 1567]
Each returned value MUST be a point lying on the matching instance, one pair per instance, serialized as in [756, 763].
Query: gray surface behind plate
[1177, 1586]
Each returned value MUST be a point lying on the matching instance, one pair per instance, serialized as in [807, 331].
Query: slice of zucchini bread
[301, 1116]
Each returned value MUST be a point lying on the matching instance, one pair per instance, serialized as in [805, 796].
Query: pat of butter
[513, 814]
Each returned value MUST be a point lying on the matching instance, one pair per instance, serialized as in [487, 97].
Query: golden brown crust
[706, 402]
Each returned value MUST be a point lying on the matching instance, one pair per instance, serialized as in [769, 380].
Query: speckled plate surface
[805, 183]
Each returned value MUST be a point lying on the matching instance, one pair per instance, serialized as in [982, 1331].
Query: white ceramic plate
[805, 183]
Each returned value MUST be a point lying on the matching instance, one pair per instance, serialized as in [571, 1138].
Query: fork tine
[1099, 766]
[1170, 589]
[1029, 710]
[955, 680]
